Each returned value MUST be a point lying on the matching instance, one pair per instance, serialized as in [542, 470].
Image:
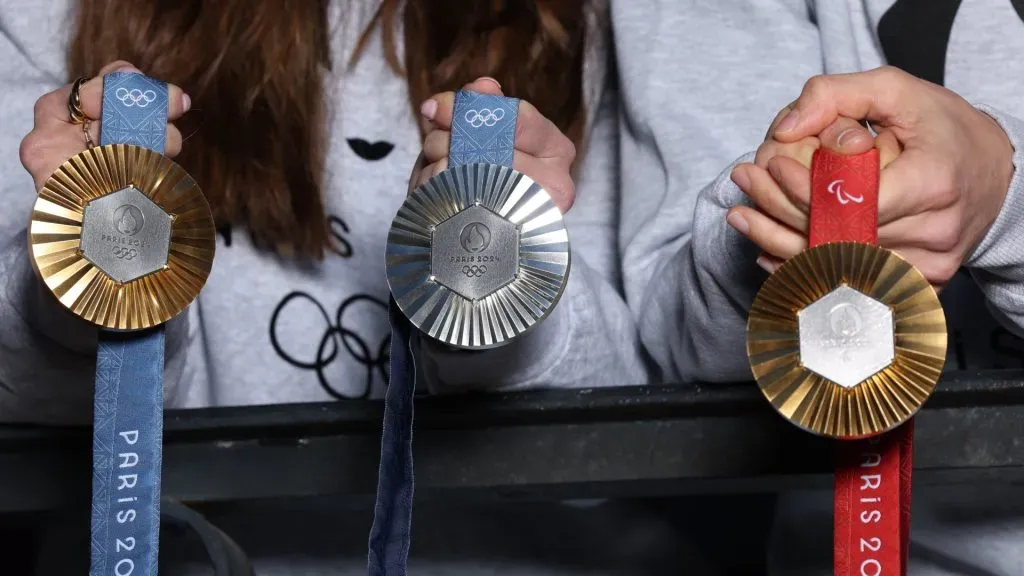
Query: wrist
[1000, 245]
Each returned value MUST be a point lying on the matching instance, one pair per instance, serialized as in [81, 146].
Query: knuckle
[563, 191]
[939, 269]
[890, 73]
[569, 148]
[944, 183]
[434, 145]
[33, 151]
[43, 105]
[944, 269]
[438, 167]
[816, 85]
[765, 152]
[946, 236]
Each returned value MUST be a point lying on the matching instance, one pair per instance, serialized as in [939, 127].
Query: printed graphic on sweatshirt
[341, 341]
[371, 151]
[915, 35]
[920, 37]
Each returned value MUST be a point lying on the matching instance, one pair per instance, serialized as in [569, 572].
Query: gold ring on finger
[75, 112]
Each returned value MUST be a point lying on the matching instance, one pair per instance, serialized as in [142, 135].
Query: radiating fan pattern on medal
[512, 309]
[880, 402]
[55, 234]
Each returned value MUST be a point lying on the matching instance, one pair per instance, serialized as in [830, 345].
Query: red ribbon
[872, 481]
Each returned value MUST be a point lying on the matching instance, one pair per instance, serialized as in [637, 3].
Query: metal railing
[610, 442]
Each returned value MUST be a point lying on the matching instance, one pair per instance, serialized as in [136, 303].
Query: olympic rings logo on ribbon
[125, 253]
[484, 117]
[474, 271]
[135, 97]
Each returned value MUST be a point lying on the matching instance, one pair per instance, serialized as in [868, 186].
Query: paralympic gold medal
[846, 340]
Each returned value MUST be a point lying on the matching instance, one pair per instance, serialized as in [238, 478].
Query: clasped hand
[946, 168]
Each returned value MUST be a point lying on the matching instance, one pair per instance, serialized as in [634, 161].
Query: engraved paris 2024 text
[473, 259]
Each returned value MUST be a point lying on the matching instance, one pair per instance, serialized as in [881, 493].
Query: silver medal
[477, 256]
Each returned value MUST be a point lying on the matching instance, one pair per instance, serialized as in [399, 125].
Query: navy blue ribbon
[129, 396]
[483, 131]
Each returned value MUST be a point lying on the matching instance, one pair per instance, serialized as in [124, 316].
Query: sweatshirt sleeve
[47, 356]
[590, 338]
[997, 264]
[701, 83]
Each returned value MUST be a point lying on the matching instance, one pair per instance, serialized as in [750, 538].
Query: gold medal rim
[55, 234]
[878, 403]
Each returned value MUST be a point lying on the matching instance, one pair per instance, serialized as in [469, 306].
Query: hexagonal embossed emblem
[474, 252]
[126, 235]
[846, 336]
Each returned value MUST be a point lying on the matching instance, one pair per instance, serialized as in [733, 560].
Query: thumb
[847, 136]
[882, 95]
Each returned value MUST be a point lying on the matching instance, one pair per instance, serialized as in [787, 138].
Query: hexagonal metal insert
[125, 234]
[846, 336]
[474, 252]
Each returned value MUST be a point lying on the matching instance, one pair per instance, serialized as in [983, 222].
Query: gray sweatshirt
[268, 330]
[254, 334]
[701, 82]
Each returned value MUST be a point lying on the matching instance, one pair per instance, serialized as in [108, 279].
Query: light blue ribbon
[129, 397]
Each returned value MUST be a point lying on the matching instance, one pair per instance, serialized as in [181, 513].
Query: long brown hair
[256, 135]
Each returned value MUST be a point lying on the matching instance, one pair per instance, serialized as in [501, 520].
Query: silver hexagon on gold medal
[122, 236]
[477, 256]
[846, 340]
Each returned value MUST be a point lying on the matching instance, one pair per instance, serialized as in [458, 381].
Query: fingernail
[496, 83]
[186, 102]
[131, 69]
[429, 109]
[740, 178]
[789, 122]
[846, 135]
[738, 222]
[765, 264]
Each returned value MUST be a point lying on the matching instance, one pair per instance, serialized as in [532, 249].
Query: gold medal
[868, 393]
[122, 236]
[847, 339]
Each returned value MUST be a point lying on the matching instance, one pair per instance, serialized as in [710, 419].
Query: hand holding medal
[937, 200]
[66, 123]
[476, 257]
[124, 239]
[847, 339]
